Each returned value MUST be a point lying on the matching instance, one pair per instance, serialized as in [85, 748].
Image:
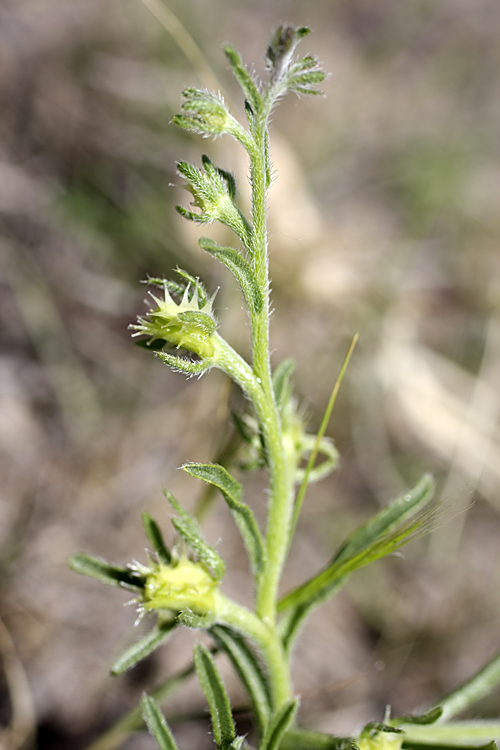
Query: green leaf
[194, 621]
[304, 83]
[214, 191]
[242, 428]
[215, 693]
[430, 717]
[143, 647]
[156, 724]
[281, 382]
[306, 63]
[182, 364]
[172, 286]
[247, 84]
[155, 538]
[305, 72]
[303, 80]
[249, 671]
[244, 518]
[227, 177]
[388, 519]
[241, 270]
[132, 721]
[386, 532]
[106, 572]
[188, 528]
[375, 727]
[278, 726]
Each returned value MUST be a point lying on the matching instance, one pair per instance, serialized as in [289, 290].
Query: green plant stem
[266, 639]
[471, 691]
[280, 486]
[459, 733]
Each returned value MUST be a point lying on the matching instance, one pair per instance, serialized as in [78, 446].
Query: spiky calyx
[189, 324]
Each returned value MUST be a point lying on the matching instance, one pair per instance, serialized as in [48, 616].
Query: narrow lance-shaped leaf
[226, 177]
[281, 381]
[143, 647]
[187, 527]
[430, 717]
[304, 83]
[244, 78]
[189, 367]
[156, 724]
[249, 671]
[214, 191]
[244, 518]
[197, 622]
[392, 516]
[155, 538]
[215, 693]
[278, 726]
[172, 286]
[241, 270]
[106, 572]
[386, 532]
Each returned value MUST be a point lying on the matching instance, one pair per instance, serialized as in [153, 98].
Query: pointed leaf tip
[143, 648]
[188, 528]
[106, 572]
[244, 518]
[156, 724]
[155, 538]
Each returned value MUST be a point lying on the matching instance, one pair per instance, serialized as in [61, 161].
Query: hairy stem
[280, 488]
[265, 638]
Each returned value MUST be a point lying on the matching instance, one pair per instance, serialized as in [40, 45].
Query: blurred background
[383, 219]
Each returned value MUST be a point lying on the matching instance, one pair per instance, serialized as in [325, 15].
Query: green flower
[179, 586]
[188, 325]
